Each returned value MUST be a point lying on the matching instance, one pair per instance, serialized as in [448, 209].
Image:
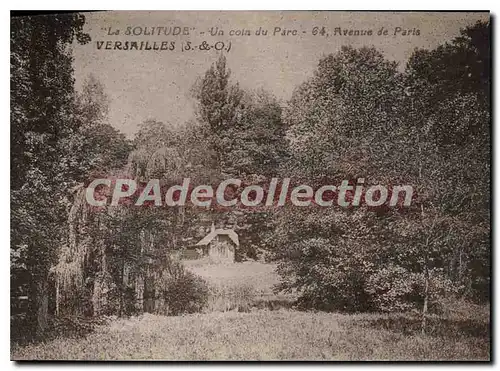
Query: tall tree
[447, 105]
[42, 117]
[247, 137]
[219, 102]
[98, 146]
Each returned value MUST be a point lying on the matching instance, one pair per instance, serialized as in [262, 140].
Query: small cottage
[219, 244]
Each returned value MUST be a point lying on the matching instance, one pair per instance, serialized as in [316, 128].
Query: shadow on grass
[436, 326]
[67, 327]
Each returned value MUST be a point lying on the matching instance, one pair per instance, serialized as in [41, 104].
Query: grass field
[265, 335]
[236, 326]
[240, 286]
[261, 276]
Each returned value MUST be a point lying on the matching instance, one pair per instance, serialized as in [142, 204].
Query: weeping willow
[98, 271]
[74, 256]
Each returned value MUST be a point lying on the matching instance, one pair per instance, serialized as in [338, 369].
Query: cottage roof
[217, 232]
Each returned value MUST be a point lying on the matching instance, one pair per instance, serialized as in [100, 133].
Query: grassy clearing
[240, 286]
[237, 325]
[269, 335]
[260, 275]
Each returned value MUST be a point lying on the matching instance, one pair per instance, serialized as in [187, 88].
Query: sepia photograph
[250, 186]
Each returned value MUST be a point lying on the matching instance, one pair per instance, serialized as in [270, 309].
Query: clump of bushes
[183, 291]
[340, 276]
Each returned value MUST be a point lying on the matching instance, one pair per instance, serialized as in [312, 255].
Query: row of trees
[69, 259]
[360, 116]
[427, 126]
[118, 260]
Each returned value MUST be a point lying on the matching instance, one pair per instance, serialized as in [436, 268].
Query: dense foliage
[359, 117]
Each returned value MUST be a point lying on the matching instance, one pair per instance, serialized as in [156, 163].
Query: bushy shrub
[393, 289]
[348, 276]
[183, 291]
[327, 277]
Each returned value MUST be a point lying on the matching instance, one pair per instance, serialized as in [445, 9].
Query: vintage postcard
[261, 185]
